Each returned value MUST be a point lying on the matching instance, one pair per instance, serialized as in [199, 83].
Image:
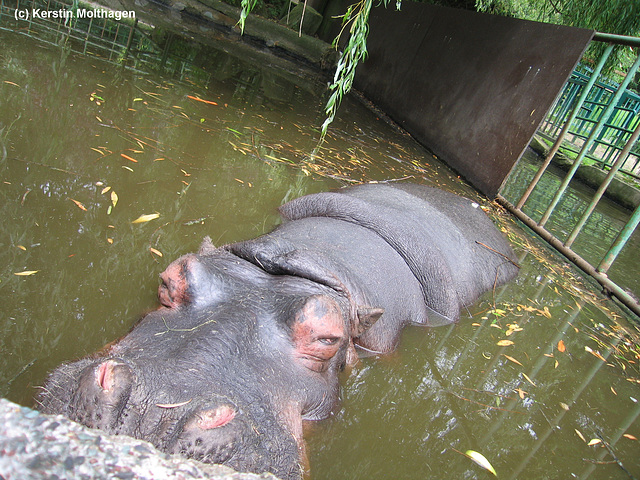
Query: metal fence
[605, 119]
[616, 129]
[110, 40]
[126, 43]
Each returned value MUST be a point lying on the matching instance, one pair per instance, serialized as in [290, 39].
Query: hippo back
[452, 248]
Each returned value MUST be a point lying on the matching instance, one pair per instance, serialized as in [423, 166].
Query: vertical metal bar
[86, 38]
[555, 422]
[622, 295]
[130, 39]
[620, 242]
[565, 128]
[603, 186]
[548, 123]
[114, 44]
[623, 427]
[594, 133]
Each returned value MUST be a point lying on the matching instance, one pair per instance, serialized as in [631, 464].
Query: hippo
[250, 338]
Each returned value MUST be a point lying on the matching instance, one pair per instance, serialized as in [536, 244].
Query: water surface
[530, 376]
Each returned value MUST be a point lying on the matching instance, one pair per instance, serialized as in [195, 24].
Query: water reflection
[215, 155]
[521, 405]
[599, 232]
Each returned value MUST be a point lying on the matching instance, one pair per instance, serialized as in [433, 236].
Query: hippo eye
[329, 340]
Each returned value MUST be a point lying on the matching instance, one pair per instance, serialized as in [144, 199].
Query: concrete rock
[37, 446]
[311, 22]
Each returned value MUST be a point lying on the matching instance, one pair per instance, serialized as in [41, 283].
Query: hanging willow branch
[247, 6]
[356, 21]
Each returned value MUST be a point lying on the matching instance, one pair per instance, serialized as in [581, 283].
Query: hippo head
[225, 371]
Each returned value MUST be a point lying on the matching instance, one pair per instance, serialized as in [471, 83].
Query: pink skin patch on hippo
[318, 332]
[215, 418]
[105, 375]
[172, 292]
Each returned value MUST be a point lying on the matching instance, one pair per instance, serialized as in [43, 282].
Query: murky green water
[599, 232]
[85, 149]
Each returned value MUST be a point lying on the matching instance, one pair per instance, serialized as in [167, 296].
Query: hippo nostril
[215, 418]
[112, 373]
[104, 375]
[200, 435]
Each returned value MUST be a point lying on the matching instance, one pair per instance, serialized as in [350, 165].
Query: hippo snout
[103, 393]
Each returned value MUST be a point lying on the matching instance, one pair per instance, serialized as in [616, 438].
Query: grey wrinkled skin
[177, 365]
[251, 337]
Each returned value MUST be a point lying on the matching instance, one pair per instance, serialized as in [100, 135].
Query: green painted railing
[606, 119]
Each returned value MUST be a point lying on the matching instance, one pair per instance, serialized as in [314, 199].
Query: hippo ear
[318, 332]
[206, 247]
[366, 317]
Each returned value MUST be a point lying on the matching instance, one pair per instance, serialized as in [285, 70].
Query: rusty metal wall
[471, 87]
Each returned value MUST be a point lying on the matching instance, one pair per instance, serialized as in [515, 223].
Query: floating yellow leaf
[127, 157]
[511, 328]
[528, 379]
[146, 218]
[26, 273]
[105, 190]
[480, 460]
[504, 343]
[561, 347]
[564, 406]
[21, 247]
[528, 308]
[208, 102]
[594, 353]
[110, 241]
[594, 441]
[114, 198]
[79, 205]
[580, 435]
[155, 252]
[511, 359]
[629, 436]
